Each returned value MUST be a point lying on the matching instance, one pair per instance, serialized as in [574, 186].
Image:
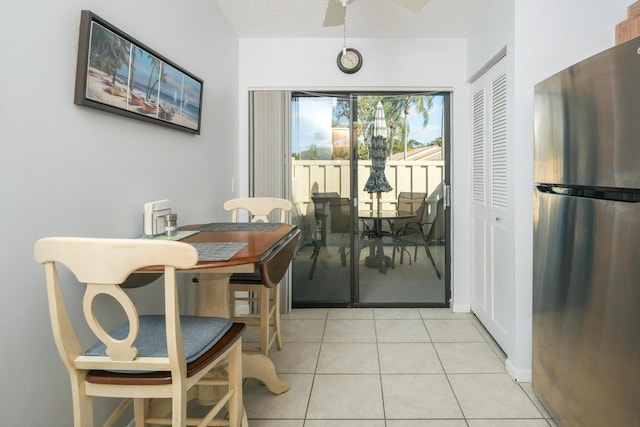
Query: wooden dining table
[267, 248]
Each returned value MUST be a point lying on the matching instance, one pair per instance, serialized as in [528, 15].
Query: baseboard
[461, 308]
[519, 375]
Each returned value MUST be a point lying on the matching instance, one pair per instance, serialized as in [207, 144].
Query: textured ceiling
[365, 19]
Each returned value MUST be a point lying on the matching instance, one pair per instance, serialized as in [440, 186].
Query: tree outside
[406, 115]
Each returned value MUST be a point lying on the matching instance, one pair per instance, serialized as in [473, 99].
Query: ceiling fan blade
[335, 14]
[412, 5]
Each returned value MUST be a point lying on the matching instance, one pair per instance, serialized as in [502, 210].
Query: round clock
[349, 60]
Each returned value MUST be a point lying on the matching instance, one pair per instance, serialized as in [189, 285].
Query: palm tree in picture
[155, 65]
[162, 78]
[109, 52]
[132, 68]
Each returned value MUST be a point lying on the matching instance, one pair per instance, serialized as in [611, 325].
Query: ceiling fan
[337, 9]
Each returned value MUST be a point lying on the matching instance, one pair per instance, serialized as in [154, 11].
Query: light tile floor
[390, 368]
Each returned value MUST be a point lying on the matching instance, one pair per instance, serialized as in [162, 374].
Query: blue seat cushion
[199, 334]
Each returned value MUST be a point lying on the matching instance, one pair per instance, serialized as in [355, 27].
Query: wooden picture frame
[116, 73]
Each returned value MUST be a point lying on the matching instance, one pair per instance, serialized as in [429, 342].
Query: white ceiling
[365, 19]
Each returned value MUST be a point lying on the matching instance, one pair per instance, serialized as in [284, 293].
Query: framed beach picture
[116, 73]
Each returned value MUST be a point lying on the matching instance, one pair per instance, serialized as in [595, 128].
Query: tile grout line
[375, 331]
[444, 371]
[315, 370]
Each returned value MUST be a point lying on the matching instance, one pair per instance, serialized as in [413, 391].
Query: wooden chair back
[104, 264]
[259, 208]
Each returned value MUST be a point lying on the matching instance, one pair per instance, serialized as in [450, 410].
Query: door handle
[447, 195]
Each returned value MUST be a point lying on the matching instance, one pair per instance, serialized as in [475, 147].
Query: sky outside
[314, 123]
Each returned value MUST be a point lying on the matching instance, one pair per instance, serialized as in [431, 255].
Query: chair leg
[82, 404]
[117, 413]
[245, 420]
[393, 255]
[178, 404]
[403, 249]
[232, 304]
[276, 315]
[426, 248]
[140, 411]
[237, 414]
[317, 243]
[264, 320]
[343, 249]
[314, 257]
[398, 247]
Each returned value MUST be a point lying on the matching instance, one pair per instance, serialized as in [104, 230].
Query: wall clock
[349, 60]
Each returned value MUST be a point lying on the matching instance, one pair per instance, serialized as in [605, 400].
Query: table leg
[377, 258]
[259, 366]
[212, 299]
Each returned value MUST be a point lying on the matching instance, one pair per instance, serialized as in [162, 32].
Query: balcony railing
[311, 176]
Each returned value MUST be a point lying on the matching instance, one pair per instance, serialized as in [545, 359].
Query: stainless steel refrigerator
[586, 265]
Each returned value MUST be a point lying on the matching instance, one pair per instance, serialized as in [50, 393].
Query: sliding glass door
[321, 192]
[368, 186]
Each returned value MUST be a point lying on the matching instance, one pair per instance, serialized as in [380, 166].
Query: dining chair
[319, 235]
[264, 302]
[414, 203]
[413, 234]
[339, 210]
[148, 356]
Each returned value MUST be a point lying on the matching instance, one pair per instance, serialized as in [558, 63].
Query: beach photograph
[125, 76]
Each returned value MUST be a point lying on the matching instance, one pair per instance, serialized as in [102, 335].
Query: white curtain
[270, 155]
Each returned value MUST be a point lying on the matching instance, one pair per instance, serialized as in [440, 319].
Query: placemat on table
[180, 234]
[218, 251]
[240, 226]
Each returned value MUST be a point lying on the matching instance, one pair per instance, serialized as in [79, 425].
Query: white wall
[71, 170]
[388, 64]
[542, 38]
[492, 29]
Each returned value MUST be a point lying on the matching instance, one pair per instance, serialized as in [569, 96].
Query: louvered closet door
[492, 259]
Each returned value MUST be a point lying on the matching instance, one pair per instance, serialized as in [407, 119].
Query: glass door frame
[353, 259]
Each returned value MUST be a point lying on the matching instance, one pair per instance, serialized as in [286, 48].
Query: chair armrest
[412, 228]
